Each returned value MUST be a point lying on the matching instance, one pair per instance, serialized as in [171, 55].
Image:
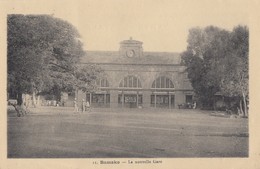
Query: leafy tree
[217, 61]
[43, 55]
[235, 78]
[206, 48]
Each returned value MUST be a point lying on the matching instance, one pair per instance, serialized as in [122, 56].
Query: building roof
[103, 57]
[130, 41]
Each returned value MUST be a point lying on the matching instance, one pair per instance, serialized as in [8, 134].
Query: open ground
[57, 132]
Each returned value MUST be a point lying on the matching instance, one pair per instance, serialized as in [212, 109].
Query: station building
[138, 79]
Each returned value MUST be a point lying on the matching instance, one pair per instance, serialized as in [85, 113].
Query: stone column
[170, 100]
[113, 98]
[123, 99]
[137, 99]
[155, 100]
[179, 98]
[147, 99]
[105, 99]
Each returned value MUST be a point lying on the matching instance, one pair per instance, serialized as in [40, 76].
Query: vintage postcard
[129, 84]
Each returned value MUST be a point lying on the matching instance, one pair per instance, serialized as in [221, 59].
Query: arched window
[163, 82]
[102, 83]
[130, 82]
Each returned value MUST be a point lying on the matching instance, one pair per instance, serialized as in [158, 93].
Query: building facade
[138, 79]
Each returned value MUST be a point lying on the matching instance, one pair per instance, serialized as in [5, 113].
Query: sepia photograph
[68, 98]
[128, 82]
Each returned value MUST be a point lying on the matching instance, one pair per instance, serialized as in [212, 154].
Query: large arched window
[162, 82]
[102, 83]
[130, 82]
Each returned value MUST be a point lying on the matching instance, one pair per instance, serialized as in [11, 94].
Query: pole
[170, 101]
[123, 98]
[155, 100]
[137, 100]
[105, 99]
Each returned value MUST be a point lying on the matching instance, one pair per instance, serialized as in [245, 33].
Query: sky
[162, 25]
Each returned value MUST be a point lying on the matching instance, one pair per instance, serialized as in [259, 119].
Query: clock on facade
[130, 53]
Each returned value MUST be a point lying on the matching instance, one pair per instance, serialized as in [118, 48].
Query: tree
[235, 78]
[43, 55]
[217, 61]
[205, 50]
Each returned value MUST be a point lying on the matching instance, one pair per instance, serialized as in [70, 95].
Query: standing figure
[76, 109]
[88, 106]
[194, 105]
[83, 105]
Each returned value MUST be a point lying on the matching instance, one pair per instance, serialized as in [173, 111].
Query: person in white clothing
[194, 105]
[88, 107]
[76, 109]
[83, 105]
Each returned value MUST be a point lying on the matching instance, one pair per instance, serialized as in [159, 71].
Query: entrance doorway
[189, 99]
[130, 100]
[162, 101]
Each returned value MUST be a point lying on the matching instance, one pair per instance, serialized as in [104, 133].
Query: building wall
[146, 74]
[133, 62]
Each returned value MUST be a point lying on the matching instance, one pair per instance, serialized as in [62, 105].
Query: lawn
[105, 133]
